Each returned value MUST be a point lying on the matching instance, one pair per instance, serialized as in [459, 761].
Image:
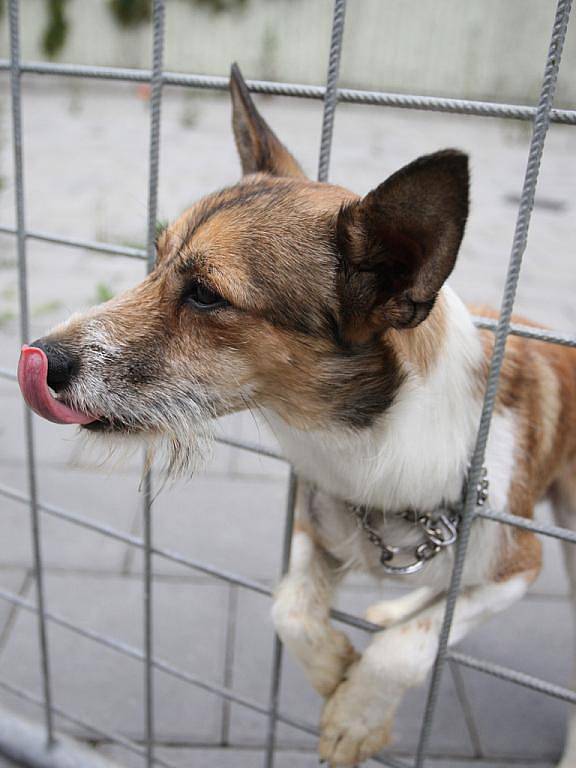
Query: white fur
[417, 452]
[301, 612]
[390, 612]
[357, 719]
[415, 456]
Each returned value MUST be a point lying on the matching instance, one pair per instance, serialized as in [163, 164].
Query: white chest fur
[415, 456]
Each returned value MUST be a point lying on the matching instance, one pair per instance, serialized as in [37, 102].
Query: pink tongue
[32, 377]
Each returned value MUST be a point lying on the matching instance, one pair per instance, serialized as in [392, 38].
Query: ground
[86, 149]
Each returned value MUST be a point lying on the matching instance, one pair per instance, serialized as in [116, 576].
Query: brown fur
[538, 383]
[328, 301]
[302, 298]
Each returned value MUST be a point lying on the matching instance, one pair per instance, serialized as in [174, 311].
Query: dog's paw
[324, 652]
[327, 669]
[354, 726]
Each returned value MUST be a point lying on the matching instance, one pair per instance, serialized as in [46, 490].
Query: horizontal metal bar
[73, 242]
[555, 531]
[25, 743]
[247, 445]
[171, 555]
[134, 653]
[545, 529]
[528, 332]
[68, 758]
[111, 249]
[349, 95]
[520, 678]
[134, 541]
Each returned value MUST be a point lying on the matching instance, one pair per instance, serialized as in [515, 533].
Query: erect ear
[399, 244]
[259, 149]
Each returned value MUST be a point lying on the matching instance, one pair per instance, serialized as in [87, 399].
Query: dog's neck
[415, 455]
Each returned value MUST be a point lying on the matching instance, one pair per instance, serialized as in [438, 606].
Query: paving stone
[238, 524]
[253, 428]
[4, 763]
[218, 758]
[105, 687]
[235, 524]
[111, 501]
[11, 580]
[535, 636]
[253, 657]
[553, 579]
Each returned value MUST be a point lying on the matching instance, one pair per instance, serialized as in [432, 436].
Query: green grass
[103, 293]
[6, 317]
[48, 308]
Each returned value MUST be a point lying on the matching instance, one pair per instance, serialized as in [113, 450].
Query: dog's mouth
[116, 426]
[33, 381]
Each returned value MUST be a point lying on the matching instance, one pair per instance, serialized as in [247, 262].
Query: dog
[330, 314]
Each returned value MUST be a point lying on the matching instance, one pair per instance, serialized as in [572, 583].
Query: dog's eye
[201, 296]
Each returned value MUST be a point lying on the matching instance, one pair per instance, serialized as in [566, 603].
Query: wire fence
[541, 117]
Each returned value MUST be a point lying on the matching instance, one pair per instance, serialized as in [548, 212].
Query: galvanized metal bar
[528, 332]
[298, 90]
[540, 130]
[18, 147]
[25, 743]
[22, 743]
[495, 670]
[519, 678]
[516, 329]
[247, 445]
[554, 531]
[467, 711]
[148, 618]
[331, 93]
[173, 556]
[110, 249]
[277, 650]
[229, 658]
[330, 100]
[134, 653]
[153, 179]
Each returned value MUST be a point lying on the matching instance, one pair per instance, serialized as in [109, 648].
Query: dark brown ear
[399, 244]
[259, 149]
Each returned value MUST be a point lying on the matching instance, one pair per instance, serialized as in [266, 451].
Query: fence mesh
[540, 116]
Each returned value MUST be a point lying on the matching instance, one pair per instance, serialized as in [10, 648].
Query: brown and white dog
[329, 313]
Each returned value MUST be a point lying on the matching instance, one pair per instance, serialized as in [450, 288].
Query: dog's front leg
[358, 718]
[301, 611]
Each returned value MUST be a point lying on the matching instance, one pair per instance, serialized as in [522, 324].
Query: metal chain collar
[439, 530]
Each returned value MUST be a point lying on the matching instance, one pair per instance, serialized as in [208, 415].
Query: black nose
[62, 364]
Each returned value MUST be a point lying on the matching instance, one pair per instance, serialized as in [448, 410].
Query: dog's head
[276, 293]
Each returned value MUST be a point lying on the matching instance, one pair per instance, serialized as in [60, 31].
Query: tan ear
[259, 149]
[399, 243]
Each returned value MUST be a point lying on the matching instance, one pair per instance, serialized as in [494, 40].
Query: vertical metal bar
[228, 680]
[467, 710]
[155, 113]
[540, 129]
[148, 622]
[278, 648]
[330, 99]
[25, 337]
[154, 161]
[331, 95]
